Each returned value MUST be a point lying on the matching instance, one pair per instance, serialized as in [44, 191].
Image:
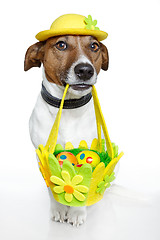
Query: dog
[75, 60]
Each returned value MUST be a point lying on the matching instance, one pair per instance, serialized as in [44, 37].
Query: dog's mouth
[80, 87]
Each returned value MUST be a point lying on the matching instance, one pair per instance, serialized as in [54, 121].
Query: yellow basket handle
[52, 140]
[101, 123]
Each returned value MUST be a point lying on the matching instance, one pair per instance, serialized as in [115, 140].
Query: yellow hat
[73, 24]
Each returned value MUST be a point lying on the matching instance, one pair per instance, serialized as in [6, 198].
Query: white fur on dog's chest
[75, 125]
[78, 124]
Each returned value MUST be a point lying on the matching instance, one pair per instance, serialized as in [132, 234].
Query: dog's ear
[34, 56]
[105, 57]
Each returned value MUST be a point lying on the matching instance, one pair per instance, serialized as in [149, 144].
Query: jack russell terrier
[74, 60]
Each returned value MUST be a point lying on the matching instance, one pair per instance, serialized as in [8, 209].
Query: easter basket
[79, 176]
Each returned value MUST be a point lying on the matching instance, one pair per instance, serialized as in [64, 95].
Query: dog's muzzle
[84, 71]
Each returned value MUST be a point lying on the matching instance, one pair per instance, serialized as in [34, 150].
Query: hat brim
[44, 35]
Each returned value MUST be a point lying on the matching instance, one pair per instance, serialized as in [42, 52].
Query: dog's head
[75, 60]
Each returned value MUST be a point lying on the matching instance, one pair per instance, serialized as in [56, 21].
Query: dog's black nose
[84, 71]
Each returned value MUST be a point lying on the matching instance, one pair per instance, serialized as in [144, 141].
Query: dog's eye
[61, 45]
[94, 47]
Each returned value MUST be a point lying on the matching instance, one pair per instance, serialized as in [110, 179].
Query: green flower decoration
[106, 183]
[91, 24]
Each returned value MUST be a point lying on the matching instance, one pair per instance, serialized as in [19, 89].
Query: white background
[130, 99]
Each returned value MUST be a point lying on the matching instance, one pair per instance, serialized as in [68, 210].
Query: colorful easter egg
[66, 156]
[87, 156]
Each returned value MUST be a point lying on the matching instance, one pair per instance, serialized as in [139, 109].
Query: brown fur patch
[94, 57]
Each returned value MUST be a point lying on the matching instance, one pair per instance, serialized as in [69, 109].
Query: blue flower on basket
[106, 183]
[70, 187]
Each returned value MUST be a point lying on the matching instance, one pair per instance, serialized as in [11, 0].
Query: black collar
[68, 104]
